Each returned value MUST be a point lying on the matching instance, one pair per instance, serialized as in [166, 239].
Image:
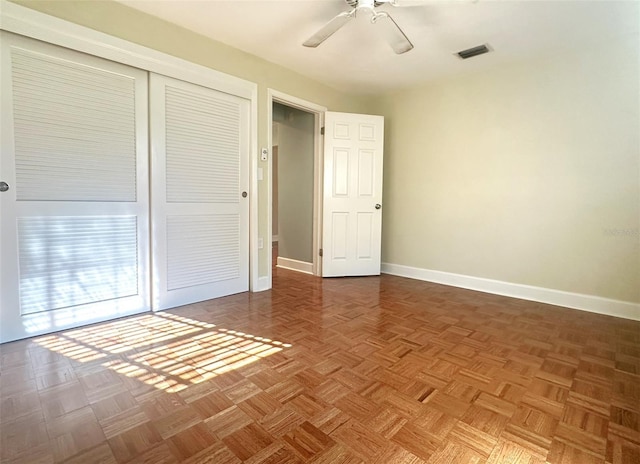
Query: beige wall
[129, 24]
[295, 183]
[527, 174]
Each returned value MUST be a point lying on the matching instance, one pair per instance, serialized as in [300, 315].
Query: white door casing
[318, 111]
[352, 194]
[74, 243]
[199, 192]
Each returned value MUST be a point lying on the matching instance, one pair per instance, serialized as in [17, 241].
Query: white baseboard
[263, 284]
[594, 304]
[295, 265]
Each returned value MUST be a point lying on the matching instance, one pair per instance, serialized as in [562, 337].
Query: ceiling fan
[394, 35]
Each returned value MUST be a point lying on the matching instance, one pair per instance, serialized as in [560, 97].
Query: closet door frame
[30, 23]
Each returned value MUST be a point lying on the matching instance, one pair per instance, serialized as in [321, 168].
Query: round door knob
[244, 194]
[378, 206]
[4, 186]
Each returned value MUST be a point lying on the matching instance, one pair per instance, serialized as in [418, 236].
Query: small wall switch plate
[260, 174]
[264, 153]
[260, 243]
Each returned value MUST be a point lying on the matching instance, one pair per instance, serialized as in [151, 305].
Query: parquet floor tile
[376, 370]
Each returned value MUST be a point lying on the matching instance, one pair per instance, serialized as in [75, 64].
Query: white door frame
[30, 23]
[318, 112]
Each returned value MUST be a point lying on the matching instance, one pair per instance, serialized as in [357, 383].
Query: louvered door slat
[72, 261]
[202, 136]
[202, 249]
[84, 115]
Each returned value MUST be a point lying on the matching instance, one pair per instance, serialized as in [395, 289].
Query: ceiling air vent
[474, 51]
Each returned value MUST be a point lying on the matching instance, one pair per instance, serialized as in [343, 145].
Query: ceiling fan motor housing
[354, 3]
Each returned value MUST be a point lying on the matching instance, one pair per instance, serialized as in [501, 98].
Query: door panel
[200, 220]
[69, 261]
[352, 225]
[74, 232]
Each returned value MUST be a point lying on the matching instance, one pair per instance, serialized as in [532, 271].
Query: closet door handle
[244, 194]
[4, 186]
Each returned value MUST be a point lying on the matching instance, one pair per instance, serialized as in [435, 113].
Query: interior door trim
[318, 146]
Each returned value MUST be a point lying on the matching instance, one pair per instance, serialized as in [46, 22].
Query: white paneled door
[74, 237]
[352, 198]
[199, 193]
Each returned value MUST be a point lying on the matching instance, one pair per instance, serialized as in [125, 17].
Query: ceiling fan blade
[419, 3]
[329, 29]
[406, 3]
[394, 35]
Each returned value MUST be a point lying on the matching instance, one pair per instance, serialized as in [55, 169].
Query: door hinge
[320, 252]
[322, 131]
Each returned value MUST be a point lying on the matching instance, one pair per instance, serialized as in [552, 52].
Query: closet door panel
[200, 218]
[74, 235]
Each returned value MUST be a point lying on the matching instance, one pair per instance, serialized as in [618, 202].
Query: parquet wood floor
[335, 371]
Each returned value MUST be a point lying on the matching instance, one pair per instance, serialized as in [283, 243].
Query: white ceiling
[357, 59]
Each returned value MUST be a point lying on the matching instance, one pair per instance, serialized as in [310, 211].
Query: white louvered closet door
[74, 231]
[199, 216]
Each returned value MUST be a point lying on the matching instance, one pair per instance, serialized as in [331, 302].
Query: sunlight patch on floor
[167, 351]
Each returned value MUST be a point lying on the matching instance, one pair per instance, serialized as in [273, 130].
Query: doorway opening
[295, 183]
[292, 187]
